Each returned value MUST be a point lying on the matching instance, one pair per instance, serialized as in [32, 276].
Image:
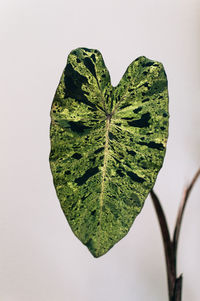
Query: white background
[40, 258]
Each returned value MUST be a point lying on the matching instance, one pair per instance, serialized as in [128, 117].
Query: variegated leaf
[107, 144]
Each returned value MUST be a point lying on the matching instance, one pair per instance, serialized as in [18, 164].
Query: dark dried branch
[178, 289]
[181, 210]
[168, 247]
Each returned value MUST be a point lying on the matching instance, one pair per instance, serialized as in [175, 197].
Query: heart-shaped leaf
[107, 144]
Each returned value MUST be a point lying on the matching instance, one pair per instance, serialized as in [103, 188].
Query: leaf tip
[95, 249]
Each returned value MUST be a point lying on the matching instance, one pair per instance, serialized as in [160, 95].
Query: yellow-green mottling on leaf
[107, 144]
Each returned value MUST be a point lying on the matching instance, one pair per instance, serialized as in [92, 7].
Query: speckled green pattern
[107, 144]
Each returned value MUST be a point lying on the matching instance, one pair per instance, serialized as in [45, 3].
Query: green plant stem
[170, 245]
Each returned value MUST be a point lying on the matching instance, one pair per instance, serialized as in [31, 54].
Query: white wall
[40, 258]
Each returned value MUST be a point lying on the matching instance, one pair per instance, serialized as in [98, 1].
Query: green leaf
[107, 144]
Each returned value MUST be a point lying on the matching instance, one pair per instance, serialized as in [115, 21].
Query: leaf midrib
[106, 154]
